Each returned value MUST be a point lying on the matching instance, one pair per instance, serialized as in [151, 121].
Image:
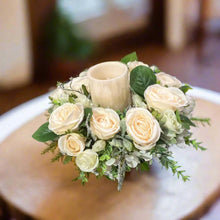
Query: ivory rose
[87, 161]
[105, 123]
[133, 64]
[162, 98]
[66, 117]
[71, 144]
[142, 127]
[76, 83]
[168, 80]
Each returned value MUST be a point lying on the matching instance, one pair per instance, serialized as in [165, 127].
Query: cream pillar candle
[109, 85]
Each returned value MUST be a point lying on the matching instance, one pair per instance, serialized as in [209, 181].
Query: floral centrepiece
[110, 142]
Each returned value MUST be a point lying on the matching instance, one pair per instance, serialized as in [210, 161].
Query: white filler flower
[76, 83]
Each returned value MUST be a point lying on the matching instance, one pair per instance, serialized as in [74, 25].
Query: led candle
[109, 85]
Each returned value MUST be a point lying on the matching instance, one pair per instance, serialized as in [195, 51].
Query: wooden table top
[44, 190]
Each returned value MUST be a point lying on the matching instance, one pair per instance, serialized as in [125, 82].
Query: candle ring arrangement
[118, 116]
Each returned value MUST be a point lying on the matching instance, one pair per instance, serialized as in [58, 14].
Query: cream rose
[66, 117]
[87, 161]
[143, 128]
[133, 64]
[77, 82]
[161, 98]
[105, 123]
[168, 80]
[71, 144]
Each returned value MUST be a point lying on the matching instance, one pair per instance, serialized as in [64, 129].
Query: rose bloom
[71, 144]
[87, 161]
[168, 80]
[143, 128]
[66, 117]
[161, 98]
[133, 64]
[77, 82]
[105, 123]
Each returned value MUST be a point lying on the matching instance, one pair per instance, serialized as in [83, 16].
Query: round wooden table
[44, 190]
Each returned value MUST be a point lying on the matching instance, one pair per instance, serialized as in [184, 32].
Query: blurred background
[42, 42]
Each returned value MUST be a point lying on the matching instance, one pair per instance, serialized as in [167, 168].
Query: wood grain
[44, 190]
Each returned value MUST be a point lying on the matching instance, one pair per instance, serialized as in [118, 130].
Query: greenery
[57, 157]
[140, 78]
[185, 88]
[129, 58]
[83, 177]
[67, 159]
[203, 121]
[184, 120]
[43, 133]
[85, 92]
[64, 39]
[145, 166]
[193, 142]
[165, 157]
[51, 147]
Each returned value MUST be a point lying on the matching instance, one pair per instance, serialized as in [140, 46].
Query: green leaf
[57, 157]
[129, 58]
[88, 111]
[185, 88]
[104, 157]
[186, 122]
[194, 143]
[144, 166]
[85, 91]
[127, 144]
[44, 134]
[83, 177]
[203, 121]
[178, 116]
[67, 159]
[123, 127]
[72, 98]
[141, 77]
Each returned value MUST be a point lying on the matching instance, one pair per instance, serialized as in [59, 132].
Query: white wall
[15, 59]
